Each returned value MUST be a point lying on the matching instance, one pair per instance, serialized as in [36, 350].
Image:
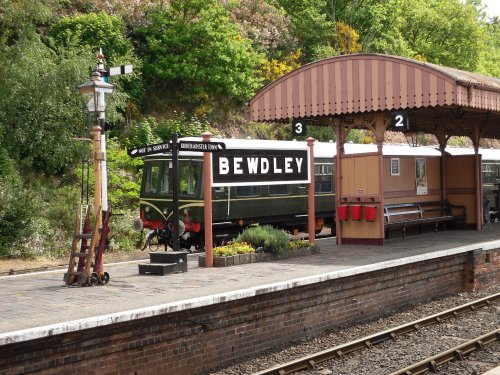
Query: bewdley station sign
[235, 167]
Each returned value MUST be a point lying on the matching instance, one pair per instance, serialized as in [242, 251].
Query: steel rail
[458, 352]
[337, 352]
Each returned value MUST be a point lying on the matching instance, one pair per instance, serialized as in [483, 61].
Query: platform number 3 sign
[399, 120]
[299, 127]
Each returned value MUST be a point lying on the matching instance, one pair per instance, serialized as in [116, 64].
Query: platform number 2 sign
[299, 127]
[399, 120]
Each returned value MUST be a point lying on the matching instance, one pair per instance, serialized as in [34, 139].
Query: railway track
[340, 352]
[458, 352]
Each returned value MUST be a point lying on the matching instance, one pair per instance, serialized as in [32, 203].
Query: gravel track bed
[386, 358]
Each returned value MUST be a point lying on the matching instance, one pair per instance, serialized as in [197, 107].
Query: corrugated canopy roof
[354, 84]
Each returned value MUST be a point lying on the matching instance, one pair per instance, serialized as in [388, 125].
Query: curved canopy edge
[360, 83]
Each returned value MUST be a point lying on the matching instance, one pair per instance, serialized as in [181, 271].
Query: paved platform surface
[34, 305]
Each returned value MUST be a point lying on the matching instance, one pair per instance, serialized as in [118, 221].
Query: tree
[267, 26]
[490, 56]
[20, 19]
[445, 32]
[91, 32]
[195, 54]
[40, 108]
[310, 24]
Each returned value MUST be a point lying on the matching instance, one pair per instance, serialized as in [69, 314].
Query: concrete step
[168, 257]
[161, 269]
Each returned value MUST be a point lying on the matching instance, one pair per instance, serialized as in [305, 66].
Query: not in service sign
[260, 167]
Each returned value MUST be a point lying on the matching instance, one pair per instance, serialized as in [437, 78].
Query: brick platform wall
[195, 340]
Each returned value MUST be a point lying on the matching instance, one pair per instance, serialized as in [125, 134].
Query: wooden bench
[443, 212]
[404, 215]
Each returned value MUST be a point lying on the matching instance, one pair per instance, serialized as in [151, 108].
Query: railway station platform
[176, 313]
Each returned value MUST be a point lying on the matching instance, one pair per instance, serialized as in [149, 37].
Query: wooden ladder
[81, 253]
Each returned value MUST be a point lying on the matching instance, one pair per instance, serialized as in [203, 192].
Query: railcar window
[189, 176]
[165, 186]
[279, 189]
[488, 174]
[152, 178]
[323, 178]
[247, 191]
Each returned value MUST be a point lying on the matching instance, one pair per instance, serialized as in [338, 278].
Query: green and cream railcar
[235, 207]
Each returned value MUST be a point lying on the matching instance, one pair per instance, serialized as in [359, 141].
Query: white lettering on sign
[223, 166]
[256, 165]
[276, 169]
[260, 167]
[299, 164]
[288, 168]
[264, 166]
[237, 165]
[253, 165]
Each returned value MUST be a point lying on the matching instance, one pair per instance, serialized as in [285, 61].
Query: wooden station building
[363, 91]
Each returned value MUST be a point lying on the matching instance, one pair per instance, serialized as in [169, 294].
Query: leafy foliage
[39, 104]
[195, 52]
[311, 24]
[266, 25]
[91, 32]
[346, 39]
[184, 126]
[271, 240]
[273, 69]
[20, 19]
[124, 177]
[491, 54]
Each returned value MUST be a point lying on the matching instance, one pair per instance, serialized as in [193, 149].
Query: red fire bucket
[355, 212]
[342, 212]
[370, 213]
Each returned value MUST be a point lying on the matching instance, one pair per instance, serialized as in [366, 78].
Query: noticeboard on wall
[421, 176]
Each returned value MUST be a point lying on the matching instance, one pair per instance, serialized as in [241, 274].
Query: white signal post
[101, 118]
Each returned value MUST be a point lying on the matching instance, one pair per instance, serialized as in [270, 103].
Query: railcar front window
[323, 178]
[189, 176]
[165, 186]
[152, 178]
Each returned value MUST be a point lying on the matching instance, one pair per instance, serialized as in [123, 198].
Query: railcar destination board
[260, 167]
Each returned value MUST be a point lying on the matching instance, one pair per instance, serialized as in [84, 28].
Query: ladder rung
[79, 255]
[76, 273]
[83, 236]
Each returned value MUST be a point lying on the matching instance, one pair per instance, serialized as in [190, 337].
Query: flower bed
[245, 258]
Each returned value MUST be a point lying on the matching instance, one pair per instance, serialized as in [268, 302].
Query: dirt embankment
[14, 266]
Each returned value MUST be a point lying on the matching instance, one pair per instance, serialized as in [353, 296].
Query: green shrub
[122, 235]
[271, 240]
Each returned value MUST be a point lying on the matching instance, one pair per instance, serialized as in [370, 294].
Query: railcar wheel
[493, 217]
[105, 278]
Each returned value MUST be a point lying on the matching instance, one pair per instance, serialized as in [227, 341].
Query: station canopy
[437, 98]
